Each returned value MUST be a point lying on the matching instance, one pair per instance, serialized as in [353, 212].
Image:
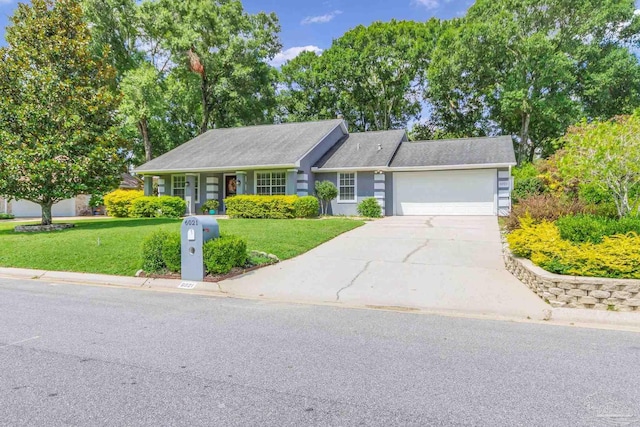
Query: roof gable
[251, 146]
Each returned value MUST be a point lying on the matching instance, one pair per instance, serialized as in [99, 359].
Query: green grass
[112, 246]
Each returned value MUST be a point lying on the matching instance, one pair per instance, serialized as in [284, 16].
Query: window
[179, 185]
[347, 187]
[271, 183]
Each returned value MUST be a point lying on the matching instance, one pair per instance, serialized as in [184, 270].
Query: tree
[533, 67]
[143, 101]
[326, 191]
[607, 155]
[228, 50]
[56, 109]
[373, 76]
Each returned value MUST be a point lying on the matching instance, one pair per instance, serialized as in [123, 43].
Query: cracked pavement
[440, 264]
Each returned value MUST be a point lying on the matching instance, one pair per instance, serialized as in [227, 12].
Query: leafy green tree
[56, 109]
[607, 156]
[143, 101]
[228, 49]
[326, 191]
[533, 67]
[372, 76]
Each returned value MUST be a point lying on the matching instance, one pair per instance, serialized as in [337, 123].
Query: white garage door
[23, 208]
[459, 192]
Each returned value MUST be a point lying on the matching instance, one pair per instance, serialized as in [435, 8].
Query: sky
[313, 24]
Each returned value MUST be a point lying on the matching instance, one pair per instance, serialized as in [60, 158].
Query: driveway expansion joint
[360, 273]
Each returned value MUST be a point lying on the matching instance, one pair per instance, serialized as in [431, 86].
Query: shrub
[544, 207]
[526, 187]
[590, 228]
[370, 208]
[224, 253]
[171, 207]
[96, 201]
[617, 256]
[119, 201]
[326, 191]
[249, 206]
[144, 207]
[6, 216]
[172, 252]
[306, 207]
[152, 259]
[209, 205]
[157, 207]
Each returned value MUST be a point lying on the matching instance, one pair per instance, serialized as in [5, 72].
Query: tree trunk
[143, 127]
[46, 212]
[524, 135]
[206, 106]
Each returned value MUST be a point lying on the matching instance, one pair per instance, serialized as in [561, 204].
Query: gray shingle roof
[360, 150]
[267, 145]
[450, 152]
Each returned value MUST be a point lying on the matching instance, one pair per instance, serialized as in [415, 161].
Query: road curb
[592, 319]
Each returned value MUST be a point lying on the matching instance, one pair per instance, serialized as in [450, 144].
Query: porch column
[241, 182]
[189, 194]
[379, 189]
[302, 184]
[148, 185]
[292, 182]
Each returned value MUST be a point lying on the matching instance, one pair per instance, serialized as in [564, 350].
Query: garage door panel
[462, 192]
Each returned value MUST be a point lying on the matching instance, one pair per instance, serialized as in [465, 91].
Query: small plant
[225, 253]
[6, 216]
[210, 207]
[326, 191]
[172, 252]
[306, 207]
[96, 201]
[370, 208]
[152, 259]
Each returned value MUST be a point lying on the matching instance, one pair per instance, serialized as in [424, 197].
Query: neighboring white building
[26, 209]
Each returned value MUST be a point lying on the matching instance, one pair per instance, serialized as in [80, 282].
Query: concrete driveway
[438, 264]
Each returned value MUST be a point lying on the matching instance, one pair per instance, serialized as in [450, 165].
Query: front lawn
[112, 246]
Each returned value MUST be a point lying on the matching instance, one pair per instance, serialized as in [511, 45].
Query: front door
[230, 187]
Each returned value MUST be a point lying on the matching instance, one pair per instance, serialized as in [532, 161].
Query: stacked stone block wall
[575, 291]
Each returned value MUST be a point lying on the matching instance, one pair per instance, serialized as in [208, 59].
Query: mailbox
[195, 231]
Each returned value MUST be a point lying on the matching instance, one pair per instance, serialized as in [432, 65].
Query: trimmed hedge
[161, 251]
[370, 208]
[119, 202]
[306, 207]
[152, 256]
[590, 228]
[157, 207]
[250, 206]
[615, 257]
[221, 255]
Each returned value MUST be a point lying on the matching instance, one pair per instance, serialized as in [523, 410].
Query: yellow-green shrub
[250, 206]
[118, 202]
[617, 256]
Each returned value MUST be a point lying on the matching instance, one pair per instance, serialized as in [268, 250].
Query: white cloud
[322, 19]
[429, 4]
[291, 53]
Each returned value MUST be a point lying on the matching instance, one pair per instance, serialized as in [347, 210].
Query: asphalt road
[80, 355]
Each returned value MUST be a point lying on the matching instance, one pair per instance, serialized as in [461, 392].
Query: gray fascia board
[416, 168]
[220, 169]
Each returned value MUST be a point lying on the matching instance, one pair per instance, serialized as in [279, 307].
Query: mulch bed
[236, 271]
[41, 228]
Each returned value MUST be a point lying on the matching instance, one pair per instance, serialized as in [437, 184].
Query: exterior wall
[164, 185]
[5, 206]
[388, 192]
[364, 189]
